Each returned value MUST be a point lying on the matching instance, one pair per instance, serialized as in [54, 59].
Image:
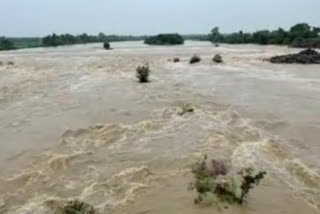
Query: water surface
[74, 123]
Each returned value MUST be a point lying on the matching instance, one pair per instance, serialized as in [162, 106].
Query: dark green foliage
[249, 181]
[195, 59]
[217, 58]
[214, 35]
[6, 44]
[78, 207]
[296, 35]
[106, 45]
[68, 39]
[214, 178]
[165, 39]
[143, 73]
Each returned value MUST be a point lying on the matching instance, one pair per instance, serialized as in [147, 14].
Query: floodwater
[75, 124]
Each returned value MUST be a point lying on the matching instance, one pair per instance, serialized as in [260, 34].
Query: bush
[195, 59]
[106, 45]
[176, 59]
[165, 39]
[217, 58]
[249, 179]
[214, 179]
[143, 73]
[78, 207]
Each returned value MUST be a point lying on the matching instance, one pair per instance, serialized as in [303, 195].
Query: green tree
[214, 35]
[6, 44]
[165, 39]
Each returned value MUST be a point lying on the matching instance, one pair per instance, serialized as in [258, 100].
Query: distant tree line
[63, 39]
[165, 39]
[299, 35]
[6, 44]
[68, 39]
[196, 37]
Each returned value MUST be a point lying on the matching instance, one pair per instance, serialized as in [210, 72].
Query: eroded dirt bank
[74, 123]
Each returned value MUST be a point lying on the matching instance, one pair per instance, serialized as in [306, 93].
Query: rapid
[76, 124]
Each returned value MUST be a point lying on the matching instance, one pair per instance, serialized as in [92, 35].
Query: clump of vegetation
[78, 207]
[195, 59]
[217, 58]
[212, 179]
[106, 45]
[187, 108]
[165, 39]
[143, 73]
[176, 59]
[6, 44]
[249, 180]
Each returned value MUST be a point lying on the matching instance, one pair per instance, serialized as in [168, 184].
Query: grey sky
[41, 17]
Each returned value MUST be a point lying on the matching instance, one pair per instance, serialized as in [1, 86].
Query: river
[76, 124]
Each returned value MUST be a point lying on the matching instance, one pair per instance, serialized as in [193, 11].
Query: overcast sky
[41, 17]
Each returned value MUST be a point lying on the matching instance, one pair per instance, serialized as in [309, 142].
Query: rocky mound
[308, 56]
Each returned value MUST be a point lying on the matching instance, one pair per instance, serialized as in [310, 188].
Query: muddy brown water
[75, 124]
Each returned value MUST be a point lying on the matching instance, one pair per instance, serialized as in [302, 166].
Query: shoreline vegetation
[301, 35]
[165, 39]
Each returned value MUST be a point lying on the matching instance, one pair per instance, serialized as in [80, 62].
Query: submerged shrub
[217, 58]
[143, 73]
[185, 109]
[195, 59]
[249, 181]
[78, 207]
[213, 179]
[176, 59]
[106, 45]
